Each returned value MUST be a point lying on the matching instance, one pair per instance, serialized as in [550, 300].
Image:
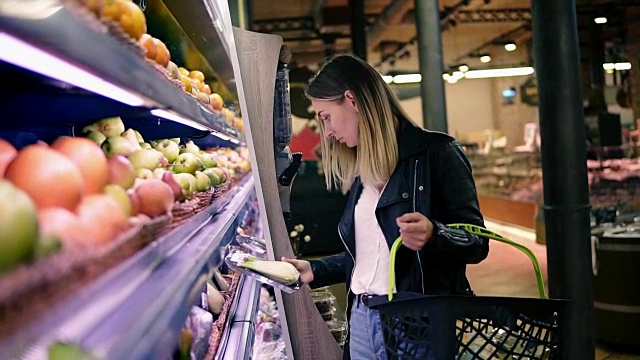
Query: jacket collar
[411, 139]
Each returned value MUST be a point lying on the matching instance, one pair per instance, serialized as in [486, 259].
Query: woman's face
[340, 119]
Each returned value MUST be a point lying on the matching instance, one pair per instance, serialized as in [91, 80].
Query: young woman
[400, 180]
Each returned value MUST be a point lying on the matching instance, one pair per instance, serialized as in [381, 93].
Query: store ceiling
[469, 28]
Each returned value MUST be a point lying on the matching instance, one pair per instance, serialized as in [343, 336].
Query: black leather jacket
[433, 177]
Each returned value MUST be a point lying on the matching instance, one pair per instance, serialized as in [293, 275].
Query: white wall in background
[469, 106]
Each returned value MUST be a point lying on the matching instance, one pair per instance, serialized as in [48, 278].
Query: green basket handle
[478, 231]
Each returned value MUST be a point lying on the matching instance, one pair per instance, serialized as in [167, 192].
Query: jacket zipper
[415, 187]
[352, 270]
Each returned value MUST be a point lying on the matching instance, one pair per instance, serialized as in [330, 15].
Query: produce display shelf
[136, 310]
[201, 22]
[60, 30]
[239, 332]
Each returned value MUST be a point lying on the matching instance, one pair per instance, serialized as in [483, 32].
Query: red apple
[121, 171]
[167, 178]
[7, 153]
[88, 157]
[156, 197]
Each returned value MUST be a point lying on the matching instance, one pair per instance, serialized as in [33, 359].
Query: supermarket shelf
[201, 21]
[136, 310]
[60, 30]
[240, 345]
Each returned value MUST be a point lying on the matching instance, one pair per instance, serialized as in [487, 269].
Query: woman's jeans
[365, 333]
[366, 338]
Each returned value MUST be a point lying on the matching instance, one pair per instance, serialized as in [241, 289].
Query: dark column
[596, 59]
[358, 35]
[566, 197]
[434, 111]
[241, 14]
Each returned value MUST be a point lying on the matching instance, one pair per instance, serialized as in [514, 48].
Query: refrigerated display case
[65, 65]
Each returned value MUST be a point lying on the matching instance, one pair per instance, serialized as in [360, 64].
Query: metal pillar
[434, 111]
[358, 35]
[596, 99]
[566, 196]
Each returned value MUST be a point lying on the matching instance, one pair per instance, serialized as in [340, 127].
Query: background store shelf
[71, 35]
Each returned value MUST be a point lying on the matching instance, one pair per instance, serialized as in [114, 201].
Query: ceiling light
[407, 78]
[485, 59]
[600, 20]
[510, 46]
[452, 80]
[29, 57]
[463, 68]
[170, 115]
[490, 73]
[617, 66]
[387, 78]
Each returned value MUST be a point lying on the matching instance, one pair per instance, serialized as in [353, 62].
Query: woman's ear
[351, 99]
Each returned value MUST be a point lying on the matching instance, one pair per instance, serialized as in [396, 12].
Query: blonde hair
[376, 156]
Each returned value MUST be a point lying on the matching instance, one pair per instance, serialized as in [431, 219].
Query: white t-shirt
[371, 272]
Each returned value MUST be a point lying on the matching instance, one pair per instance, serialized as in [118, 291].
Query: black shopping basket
[470, 327]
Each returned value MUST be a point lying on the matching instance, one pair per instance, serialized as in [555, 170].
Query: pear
[191, 147]
[203, 183]
[139, 137]
[214, 178]
[169, 179]
[119, 194]
[187, 182]
[176, 140]
[145, 145]
[146, 159]
[117, 145]
[109, 127]
[130, 135]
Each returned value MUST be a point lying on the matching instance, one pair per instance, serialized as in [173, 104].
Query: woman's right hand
[303, 267]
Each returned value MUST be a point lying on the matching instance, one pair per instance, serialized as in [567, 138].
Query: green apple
[176, 140]
[146, 159]
[119, 194]
[130, 135]
[109, 127]
[143, 173]
[187, 182]
[187, 163]
[96, 136]
[202, 181]
[145, 145]
[117, 145]
[191, 147]
[19, 224]
[208, 160]
[170, 149]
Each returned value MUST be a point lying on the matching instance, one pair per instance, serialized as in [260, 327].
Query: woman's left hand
[415, 230]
